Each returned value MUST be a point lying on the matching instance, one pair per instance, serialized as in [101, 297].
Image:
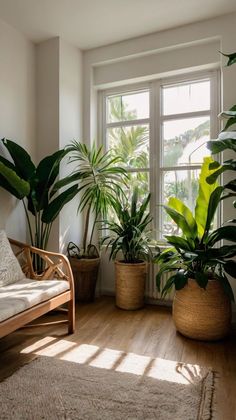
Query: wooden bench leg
[71, 316]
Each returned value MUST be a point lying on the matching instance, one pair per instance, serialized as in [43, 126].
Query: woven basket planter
[202, 314]
[130, 284]
[85, 272]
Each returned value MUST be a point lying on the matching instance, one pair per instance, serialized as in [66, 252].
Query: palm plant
[129, 234]
[194, 255]
[226, 141]
[34, 186]
[99, 180]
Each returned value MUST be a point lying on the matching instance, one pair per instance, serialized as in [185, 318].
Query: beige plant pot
[85, 272]
[130, 284]
[202, 314]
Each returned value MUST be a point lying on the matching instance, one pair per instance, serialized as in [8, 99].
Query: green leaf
[231, 58]
[10, 181]
[226, 286]
[230, 122]
[181, 208]
[179, 243]
[229, 165]
[217, 146]
[230, 268]
[201, 279]
[168, 286]
[24, 166]
[180, 220]
[51, 212]
[227, 233]
[212, 207]
[204, 194]
[181, 280]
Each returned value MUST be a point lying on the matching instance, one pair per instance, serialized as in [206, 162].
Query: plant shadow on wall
[99, 180]
[129, 236]
[198, 263]
[34, 186]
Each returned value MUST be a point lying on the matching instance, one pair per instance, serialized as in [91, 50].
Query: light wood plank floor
[149, 332]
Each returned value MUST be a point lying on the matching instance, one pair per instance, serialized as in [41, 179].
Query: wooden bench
[56, 269]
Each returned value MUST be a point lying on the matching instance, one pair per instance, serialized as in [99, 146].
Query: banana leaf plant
[34, 186]
[99, 179]
[129, 233]
[198, 253]
[226, 141]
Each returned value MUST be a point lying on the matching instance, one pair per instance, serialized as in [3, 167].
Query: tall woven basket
[85, 272]
[202, 314]
[130, 284]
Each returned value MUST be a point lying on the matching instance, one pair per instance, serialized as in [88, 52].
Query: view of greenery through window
[184, 134]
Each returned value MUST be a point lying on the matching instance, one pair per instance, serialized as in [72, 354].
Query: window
[127, 134]
[161, 130]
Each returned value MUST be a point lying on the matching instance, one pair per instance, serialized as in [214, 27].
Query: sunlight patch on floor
[112, 359]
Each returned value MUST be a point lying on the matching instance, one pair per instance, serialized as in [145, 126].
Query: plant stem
[86, 229]
[28, 222]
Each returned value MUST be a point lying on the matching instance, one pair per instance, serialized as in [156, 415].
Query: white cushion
[24, 294]
[10, 270]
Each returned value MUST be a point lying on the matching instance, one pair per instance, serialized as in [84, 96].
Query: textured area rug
[49, 388]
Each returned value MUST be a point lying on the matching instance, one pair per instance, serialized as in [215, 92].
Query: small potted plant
[199, 265]
[129, 237]
[98, 177]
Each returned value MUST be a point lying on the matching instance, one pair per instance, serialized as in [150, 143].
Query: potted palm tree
[199, 265]
[128, 236]
[99, 178]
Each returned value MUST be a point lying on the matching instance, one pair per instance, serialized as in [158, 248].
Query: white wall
[17, 113]
[59, 120]
[189, 48]
[70, 128]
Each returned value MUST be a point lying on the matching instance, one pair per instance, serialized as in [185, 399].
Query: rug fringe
[205, 412]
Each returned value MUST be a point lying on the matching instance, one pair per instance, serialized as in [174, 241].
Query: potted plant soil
[99, 178]
[199, 264]
[128, 236]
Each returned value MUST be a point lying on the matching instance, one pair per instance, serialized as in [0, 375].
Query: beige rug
[49, 388]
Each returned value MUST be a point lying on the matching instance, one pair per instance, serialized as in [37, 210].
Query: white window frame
[155, 128]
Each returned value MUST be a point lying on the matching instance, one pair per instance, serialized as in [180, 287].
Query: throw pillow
[10, 269]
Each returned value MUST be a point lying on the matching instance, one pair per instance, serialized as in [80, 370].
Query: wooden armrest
[56, 265]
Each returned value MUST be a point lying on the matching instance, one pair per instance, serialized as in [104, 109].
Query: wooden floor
[148, 332]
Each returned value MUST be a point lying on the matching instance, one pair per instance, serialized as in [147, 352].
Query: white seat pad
[22, 295]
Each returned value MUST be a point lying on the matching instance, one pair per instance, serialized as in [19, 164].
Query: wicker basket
[85, 272]
[130, 284]
[202, 314]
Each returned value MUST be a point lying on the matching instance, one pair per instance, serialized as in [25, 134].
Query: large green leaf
[228, 165]
[180, 243]
[181, 279]
[10, 181]
[212, 207]
[51, 212]
[180, 220]
[227, 233]
[231, 58]
[45, 175]
[204, 194]
[24, 166]
[230, 268]
[181, 208]
[217, 146]
[226, 286]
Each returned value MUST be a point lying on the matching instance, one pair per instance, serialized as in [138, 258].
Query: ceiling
[92, 23]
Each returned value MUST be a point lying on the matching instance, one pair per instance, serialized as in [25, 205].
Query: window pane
[181, 98]
[183, 185]
[185, 141]
[131, 143]
[132, 106]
